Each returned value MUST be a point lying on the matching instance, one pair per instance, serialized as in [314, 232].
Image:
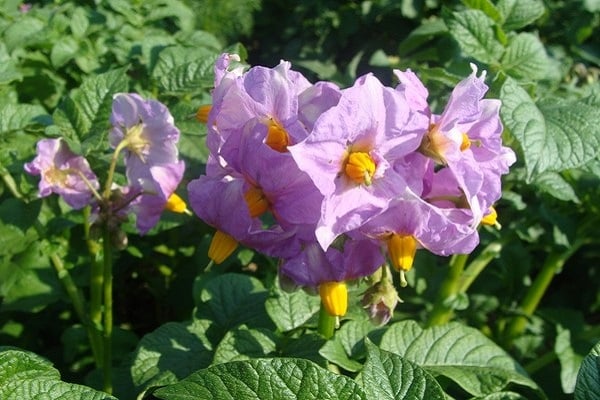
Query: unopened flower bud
[380, 300]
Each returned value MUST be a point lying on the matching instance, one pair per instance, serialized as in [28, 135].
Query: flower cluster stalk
[458, 279]
[552, 265]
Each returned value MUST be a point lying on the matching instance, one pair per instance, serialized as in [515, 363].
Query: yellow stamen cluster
[491, 218]
[277, 137]
[202, 113]
[221, 246]
[257, 202]
[402, 250]
[360, 167]
[466, 142]
[334, 296]
[176, 204]
[56, 176]
[136, 141]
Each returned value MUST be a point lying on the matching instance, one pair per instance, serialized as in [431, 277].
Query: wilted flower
[63, 172]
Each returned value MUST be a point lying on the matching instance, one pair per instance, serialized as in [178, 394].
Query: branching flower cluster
[335, 181]
[144, 131]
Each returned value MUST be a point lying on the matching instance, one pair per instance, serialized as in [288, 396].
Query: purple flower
[63, 172]
[350, 152]
[466, 139]
[145, 131]
[280, 99]
[221, 202]
[352, 259]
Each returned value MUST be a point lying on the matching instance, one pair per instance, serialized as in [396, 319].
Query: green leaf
[235, 299]
[79, 22]
[290, 310]
[170, 353]
[8, 67]
[264, 379]
[588, 378]
[24, 375]
[525, 58]
[63, 51]
[555, 185]
[181, 70]
[305, 346]
[347, 346]
[386, 376]
[474, 32]
[244, 344]
[570, 361]
[486, 6]
[83, 117]
[458, 352]
[526, 122]
[520, 13]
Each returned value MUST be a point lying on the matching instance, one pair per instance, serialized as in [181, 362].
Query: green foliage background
[182, 328]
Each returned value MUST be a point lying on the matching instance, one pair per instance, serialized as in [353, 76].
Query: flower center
[334, 296]
[221, 247]
[277, 137]
[360, 167]
[137, 142]
[56, 176]
[466, 142]
[257, 202]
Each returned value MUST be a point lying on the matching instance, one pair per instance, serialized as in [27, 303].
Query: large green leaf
[525, 58]
[83, 117]
[234, 299]
[264, 379]
[387, 376]
[458, 352]
[555, 136]
[290, 310]
[588, 378]
[474, 32]
[519, 13]
[170, 353]
[347, 346]
[24, 375]
[242, 343]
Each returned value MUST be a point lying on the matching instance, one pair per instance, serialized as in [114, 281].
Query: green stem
[326, 325]
[72, 291]
[112, 167]
[540, 362]
[96, 284]
[108, 313]
[552, 264]
[476, 266]
[442, 312]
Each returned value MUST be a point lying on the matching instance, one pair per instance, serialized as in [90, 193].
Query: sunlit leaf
[264, 379]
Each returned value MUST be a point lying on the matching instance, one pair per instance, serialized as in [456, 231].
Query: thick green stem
[326, 325]
[108, 312]
[442, 311]
[553, 264]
